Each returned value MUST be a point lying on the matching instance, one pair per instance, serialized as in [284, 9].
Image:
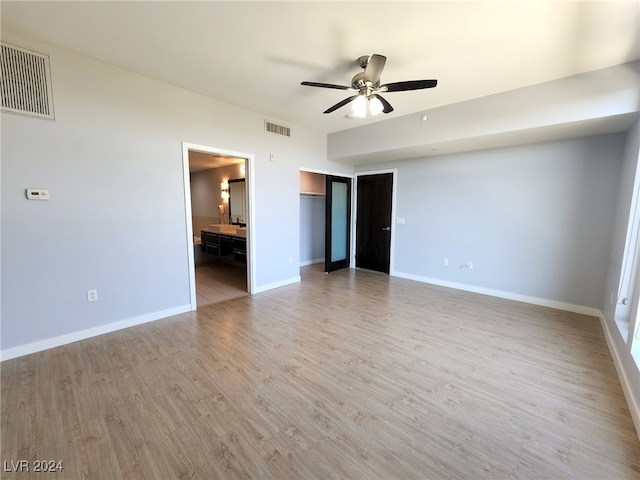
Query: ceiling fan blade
[326, 85]
[387, 108]
[374, 68]
[340, 104]
[408, 85]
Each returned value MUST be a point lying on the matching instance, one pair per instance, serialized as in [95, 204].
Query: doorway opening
[325, 219]
[218, 198]
[312, 217]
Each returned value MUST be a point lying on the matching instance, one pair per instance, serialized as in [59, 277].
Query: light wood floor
[348, 375]
[218, 282]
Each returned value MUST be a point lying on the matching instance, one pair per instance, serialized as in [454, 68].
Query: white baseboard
[34, 347]
[38, 346]
[568, 307]
[311, 262]
[633, 398]
[281, 283]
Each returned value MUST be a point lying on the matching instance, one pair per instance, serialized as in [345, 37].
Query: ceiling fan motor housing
[358, 83]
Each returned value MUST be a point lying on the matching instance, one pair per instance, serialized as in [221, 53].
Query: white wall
[622, 226]
[618, 341]
[535, 220]
[112, 162]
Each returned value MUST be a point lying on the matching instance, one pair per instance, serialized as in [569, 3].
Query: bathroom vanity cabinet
[240, 249]
[224, 245]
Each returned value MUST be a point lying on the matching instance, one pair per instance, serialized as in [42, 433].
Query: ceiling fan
[367, 84]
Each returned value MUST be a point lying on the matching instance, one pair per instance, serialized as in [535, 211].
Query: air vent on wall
[277, 129]
[25, 82]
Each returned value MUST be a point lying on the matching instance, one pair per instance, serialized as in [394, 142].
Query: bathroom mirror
[237, 202]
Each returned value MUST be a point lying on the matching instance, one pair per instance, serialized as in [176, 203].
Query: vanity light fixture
[224, 187]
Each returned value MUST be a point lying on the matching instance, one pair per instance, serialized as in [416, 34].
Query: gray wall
[205, 190]
[312, 213]
[112, 161]
[536, 220]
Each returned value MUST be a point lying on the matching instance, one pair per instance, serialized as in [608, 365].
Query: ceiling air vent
[277, 129]
[25, 82]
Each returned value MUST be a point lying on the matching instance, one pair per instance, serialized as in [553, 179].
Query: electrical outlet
[445, 261]
[400, 220]
[469, 265]
[92, 295]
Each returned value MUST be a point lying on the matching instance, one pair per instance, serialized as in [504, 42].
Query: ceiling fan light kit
[368, 88]
[359, 107]
[375, 106]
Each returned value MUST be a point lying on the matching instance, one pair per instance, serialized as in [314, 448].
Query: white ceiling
[255, 54]
[204, 161]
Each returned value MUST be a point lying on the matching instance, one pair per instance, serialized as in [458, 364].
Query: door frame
[352, 226]
[250, 184]
[329, 265]
[394, 172]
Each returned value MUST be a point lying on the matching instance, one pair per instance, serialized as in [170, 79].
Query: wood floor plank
[349, 375]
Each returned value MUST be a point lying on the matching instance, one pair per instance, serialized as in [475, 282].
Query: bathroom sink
[223, 228]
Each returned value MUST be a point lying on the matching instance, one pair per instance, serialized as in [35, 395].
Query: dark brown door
[337, 223]
[373, 221]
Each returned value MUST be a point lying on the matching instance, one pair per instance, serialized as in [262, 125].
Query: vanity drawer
[209, 243]
[226, 244]
[207, 238]
[240, 244]
[222, 245]
[240, 249]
